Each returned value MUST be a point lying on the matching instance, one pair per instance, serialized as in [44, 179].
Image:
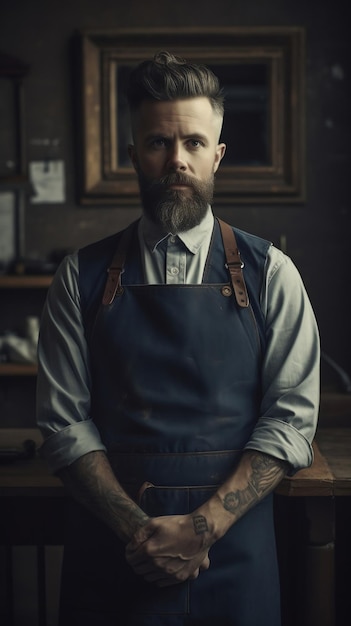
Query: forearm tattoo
[266, 473]
[89, 481]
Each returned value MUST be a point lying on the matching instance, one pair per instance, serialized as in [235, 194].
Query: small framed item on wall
[14, 186]
[12, 142]
[8, 229]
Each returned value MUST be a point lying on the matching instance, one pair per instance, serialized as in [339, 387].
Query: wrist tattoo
[200, 524]
[233, 500]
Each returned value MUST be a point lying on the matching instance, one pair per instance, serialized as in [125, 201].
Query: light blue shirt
[175, 259]
[290, 373]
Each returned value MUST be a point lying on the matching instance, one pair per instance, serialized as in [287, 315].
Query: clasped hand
[168, 550]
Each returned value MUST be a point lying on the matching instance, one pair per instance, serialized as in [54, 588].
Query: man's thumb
[140, 536]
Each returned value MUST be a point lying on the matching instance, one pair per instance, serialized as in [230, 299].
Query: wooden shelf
[8, 281]
[18, 369]
[24, 281]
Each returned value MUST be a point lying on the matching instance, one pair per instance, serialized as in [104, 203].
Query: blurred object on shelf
[33, 267]
[11, 454]
[17, 349]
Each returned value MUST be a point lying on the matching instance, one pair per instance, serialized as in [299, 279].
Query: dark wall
[317, 232]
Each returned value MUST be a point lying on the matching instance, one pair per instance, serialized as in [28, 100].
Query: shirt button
[172, 239]
[174, 271]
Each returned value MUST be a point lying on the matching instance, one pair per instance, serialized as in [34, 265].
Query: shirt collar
[153, 234]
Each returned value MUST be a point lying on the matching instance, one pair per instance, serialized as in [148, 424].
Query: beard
[176, 210]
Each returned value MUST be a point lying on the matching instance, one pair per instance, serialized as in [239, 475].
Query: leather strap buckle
[237, 264]
[234, 264]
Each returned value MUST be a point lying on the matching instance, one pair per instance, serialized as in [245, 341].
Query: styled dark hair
[167, 77]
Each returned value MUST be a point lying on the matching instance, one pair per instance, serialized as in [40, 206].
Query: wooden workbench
[32, 505]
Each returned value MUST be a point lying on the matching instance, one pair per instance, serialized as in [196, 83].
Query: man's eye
[195, 143]
[158, 143]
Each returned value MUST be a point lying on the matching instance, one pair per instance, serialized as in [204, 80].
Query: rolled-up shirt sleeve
[290, 372]
[63, 384]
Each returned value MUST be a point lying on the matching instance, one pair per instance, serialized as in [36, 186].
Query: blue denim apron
[175, 395]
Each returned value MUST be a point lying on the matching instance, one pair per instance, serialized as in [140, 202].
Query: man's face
[176, 154]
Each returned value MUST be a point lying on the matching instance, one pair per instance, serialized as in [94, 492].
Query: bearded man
[178, 383]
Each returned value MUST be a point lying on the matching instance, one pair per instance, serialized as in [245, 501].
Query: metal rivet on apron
[226, 291]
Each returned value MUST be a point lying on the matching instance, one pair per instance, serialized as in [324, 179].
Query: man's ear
[133, 156]
[220, 150]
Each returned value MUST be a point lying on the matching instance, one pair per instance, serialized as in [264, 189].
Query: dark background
[317, 232]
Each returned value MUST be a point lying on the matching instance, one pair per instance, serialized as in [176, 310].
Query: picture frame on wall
[261, 70]
[13, 164]
[8, 229]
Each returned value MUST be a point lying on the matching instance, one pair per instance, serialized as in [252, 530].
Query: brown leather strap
[234, 264]
[113, 283]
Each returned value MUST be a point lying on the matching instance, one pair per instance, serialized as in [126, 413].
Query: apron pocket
[157, 500]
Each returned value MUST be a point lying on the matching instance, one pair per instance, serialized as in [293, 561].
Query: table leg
[319, 593]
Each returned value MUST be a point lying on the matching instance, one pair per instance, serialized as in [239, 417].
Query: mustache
[174, 178]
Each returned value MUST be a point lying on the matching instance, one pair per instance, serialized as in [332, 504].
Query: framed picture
[8, 229]
[12, 142]
[262, 73]
[13, 163]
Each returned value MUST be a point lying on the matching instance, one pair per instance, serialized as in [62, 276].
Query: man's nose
[176, 158]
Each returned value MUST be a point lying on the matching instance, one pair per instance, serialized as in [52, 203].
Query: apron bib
[175, 396]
